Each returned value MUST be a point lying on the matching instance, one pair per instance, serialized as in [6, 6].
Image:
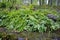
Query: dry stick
[26, 38]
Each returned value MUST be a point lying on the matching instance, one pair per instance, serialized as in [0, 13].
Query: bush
[2, 5]
[29, 20]
[3, 18]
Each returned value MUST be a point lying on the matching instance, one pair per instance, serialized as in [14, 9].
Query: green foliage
[3, 18]
[7, 4]
[2, 5]
[29, 20]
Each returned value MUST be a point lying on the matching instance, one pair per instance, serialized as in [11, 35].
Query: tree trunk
[40, 3]
[50, 2]
[58, 2]
[31, 1]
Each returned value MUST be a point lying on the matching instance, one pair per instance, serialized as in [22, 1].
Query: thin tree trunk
[50, 2]
[31, 1]
[58, 2]
[40, 3]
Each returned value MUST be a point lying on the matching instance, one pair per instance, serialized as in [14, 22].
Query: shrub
[29, 20]
[2, 5]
